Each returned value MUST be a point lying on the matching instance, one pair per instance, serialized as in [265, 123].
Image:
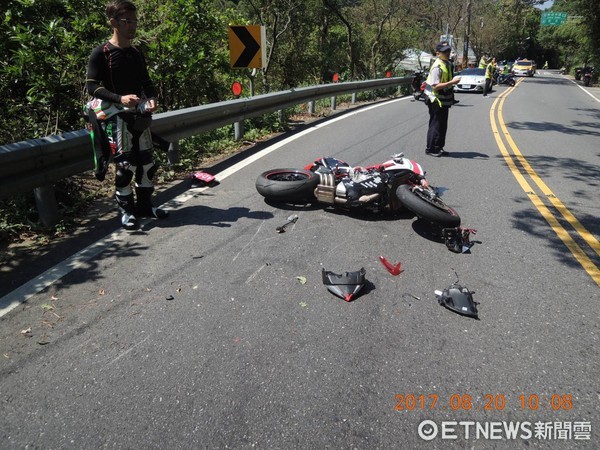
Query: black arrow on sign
[252, 47]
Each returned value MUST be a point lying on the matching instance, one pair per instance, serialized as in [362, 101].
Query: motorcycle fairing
[345, 285]
[330, 164]
[458, 299]
[403, 164]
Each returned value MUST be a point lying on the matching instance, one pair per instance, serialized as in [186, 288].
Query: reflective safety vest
[489, 70]
[482, 62]
[443, 96]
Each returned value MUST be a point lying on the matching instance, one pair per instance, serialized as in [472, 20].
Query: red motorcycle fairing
[406, 164]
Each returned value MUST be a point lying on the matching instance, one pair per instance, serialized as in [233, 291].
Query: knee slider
[145, 173]
[123, 177]
[151, 171]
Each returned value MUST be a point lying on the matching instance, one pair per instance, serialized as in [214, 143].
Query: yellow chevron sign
[247, 46]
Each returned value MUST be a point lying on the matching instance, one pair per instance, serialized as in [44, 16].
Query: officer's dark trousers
[488, 86]
[438, 125]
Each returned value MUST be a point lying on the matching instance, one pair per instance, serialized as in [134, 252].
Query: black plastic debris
[459, 299]
[346, 285]
[458, 240]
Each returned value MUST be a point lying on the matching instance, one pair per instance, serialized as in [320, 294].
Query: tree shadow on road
[467, 155]
[207, 216]
[575, 129]
[570, 168]
[536, 226]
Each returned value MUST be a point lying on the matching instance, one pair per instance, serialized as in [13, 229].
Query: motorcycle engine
[361, 189]
[358, 189]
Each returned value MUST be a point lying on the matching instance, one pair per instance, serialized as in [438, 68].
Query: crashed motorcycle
[389, 186]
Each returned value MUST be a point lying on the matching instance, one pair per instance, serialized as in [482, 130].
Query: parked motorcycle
[418, 86]
[388, 186]
[505, 78]
[587, 76]
[579, 73]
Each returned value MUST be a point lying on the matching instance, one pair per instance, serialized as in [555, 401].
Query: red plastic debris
[204, 179]
[393, 269]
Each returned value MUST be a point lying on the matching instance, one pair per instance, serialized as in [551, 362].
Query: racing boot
[144, 206]
[127, 208]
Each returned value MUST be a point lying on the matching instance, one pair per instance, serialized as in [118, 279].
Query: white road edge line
[20, 295]
[583, 89]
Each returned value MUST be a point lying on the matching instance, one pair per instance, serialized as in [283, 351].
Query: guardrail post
[333, 103]
[47, 208]
[280, 116]
[173, 153]
[353, 98]
[311, 107]
[239, 130]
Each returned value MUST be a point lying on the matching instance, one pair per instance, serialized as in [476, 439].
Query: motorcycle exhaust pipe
[364, 199]
[368, 198]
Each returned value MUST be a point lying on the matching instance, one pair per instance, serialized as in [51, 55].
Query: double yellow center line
[497, 121]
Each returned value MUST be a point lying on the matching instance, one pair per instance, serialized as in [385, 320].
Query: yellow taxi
[524, 68]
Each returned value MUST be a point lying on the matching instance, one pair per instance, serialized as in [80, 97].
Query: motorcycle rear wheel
[432, 210]
[283, 185]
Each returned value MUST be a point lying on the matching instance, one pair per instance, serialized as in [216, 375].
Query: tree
[41, 70]
[186, 45]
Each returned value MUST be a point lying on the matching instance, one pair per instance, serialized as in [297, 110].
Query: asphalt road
[200, 331]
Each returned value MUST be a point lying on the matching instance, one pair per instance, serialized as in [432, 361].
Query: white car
[471, 80]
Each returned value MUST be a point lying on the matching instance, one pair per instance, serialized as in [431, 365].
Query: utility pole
[467, 34]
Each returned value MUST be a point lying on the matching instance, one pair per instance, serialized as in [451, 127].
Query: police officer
[489, 76]
[440, 94]
[118, 81]
[483, 62]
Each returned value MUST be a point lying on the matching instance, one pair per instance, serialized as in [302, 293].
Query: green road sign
[553, 18]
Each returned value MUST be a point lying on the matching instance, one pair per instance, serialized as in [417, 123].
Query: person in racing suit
[123, 97]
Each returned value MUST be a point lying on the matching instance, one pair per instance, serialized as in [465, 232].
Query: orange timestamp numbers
[489, 402]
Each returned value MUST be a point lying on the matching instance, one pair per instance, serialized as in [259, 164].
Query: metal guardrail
[38, 163]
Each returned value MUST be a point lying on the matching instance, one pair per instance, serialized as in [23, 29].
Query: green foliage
[187, 47]
[576, 41]
[41, 71]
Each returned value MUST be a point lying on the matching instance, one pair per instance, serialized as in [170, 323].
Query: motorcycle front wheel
[431, 209]
[284, 185]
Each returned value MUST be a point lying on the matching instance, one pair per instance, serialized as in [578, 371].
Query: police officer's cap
[442, 47]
